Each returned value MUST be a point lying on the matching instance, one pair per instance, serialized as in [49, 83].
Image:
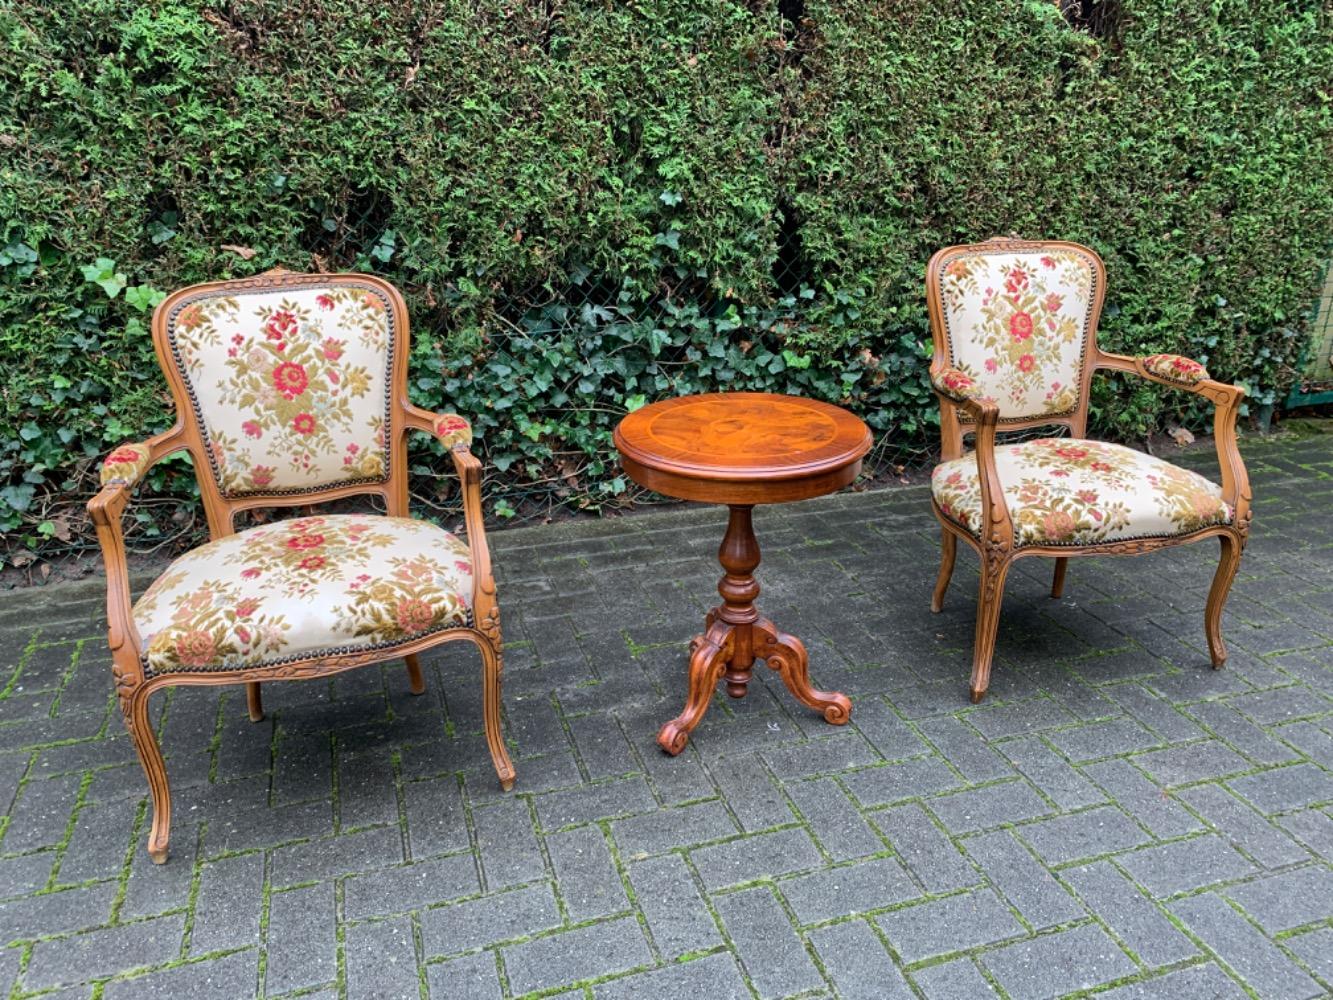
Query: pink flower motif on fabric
[452, 430]
[280, 326]
[126, 464]
[1175, 368]
[290, 379]
[955, 384]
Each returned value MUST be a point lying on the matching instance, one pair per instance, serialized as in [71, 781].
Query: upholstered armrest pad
[451, 429]
[957, 385]
[127, 464]
[1174, 368]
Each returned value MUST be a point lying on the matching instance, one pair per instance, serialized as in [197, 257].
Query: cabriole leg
[1217, 598]
[994, 569]
[948, 550]
[134, 706]
[492, 671]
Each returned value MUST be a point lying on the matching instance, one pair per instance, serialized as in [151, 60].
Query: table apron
[696, 486]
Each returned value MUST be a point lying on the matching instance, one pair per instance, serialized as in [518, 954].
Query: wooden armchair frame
[134, 684]
[962, 413]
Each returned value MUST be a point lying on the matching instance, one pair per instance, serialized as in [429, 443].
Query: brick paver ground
[1115, 819]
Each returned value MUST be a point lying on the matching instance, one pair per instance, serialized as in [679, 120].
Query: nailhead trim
[1095, 545]
[467, 622]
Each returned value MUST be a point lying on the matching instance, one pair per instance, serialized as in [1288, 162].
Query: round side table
[742, 449]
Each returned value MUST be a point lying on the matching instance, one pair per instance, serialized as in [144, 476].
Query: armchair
[1014, 326]
[292, 389]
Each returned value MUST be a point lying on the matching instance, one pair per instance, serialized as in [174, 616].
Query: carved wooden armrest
[455, 433]
[1172, 370]
[961, 390]
[122, 470]
[1190, 376]
[997, 528]
[128, 463]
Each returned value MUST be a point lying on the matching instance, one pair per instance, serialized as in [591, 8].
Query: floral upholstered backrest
[1020, 319]
[289, 383]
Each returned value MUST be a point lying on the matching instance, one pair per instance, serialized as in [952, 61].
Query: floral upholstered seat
[303, 587]
[1068, 491]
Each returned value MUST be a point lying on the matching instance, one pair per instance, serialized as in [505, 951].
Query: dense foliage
[590, 204]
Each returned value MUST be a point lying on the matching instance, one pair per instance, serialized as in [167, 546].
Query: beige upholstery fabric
[290, 386]
[1017, 323]
[126, 464]
[301, 587]
[1066, 491]
[955, 385]
[452, 430]
[1175, 368]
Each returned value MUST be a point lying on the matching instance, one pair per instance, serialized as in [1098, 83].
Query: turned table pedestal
[742, 449]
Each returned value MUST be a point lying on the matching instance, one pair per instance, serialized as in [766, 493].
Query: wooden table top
[742, 447]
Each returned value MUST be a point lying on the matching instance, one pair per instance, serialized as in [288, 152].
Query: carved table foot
[709, 653]
[786, 654]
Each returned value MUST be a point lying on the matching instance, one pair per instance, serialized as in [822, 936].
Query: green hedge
[590, 204]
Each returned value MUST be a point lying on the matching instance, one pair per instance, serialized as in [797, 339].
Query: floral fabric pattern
[956, 385]
[452, 430]
[1068, 491]
[126, 464]
[291, 385]
[301, 587]
[1017, 325]
[1174, 368]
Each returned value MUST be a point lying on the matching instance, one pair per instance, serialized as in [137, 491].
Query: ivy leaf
[103, 273]
[795, 360]
[143, 297]
[21, 257]
[671, 198]
[161, 232]
[383, 249]
[18, 497]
